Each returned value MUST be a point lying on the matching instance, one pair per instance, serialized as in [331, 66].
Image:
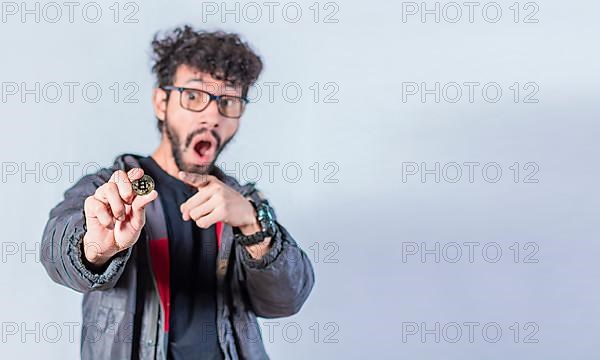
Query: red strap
[219, 229]
[159, 252]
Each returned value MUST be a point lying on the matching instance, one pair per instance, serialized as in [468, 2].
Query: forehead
[188, 76]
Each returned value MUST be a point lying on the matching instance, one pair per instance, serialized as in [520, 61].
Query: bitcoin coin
[143, 185]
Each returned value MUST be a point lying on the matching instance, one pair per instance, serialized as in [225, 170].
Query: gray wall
[390, 244]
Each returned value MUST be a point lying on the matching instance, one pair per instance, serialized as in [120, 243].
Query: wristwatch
[265, 216]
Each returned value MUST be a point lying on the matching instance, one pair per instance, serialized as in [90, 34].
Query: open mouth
[202, 147]
[205, 149]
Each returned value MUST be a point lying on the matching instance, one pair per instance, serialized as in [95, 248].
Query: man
[181, 272]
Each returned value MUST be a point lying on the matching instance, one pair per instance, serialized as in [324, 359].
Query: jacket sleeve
[279, 283]
[62, 241]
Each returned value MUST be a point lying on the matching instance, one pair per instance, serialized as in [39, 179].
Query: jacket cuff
[95, 278]
[266, 259]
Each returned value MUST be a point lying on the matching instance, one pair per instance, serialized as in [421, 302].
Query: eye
[191, 95]
[230, 102]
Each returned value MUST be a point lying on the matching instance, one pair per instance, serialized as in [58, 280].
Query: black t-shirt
[193, 256]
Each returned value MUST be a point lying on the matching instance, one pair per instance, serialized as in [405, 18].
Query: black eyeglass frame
[212, 97]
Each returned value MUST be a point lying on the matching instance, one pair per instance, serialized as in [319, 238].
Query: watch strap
[253, 239]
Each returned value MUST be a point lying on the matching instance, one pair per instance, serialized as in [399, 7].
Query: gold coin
[143, 185]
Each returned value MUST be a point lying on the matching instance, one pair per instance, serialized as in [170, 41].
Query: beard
[178, 147]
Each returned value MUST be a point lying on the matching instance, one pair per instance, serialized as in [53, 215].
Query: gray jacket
[123, 316]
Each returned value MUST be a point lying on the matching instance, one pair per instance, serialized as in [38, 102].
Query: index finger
[195, 180]
[123, 181]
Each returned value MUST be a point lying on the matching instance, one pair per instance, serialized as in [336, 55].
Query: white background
[365, 303]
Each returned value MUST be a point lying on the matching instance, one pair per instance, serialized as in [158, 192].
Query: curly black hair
[222, 55]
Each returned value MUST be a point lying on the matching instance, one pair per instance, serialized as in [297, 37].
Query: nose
[210, 116]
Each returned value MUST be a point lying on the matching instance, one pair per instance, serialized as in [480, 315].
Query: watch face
[265, 217]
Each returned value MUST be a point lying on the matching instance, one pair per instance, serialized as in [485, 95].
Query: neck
[164, 158]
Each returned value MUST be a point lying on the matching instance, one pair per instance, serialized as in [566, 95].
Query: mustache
[190, 137]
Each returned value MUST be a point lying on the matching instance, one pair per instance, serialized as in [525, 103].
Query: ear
[159, 102]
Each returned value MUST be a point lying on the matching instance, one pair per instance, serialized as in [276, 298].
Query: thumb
[137, 208]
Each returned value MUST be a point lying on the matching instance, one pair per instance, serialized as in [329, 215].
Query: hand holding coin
[115, 214]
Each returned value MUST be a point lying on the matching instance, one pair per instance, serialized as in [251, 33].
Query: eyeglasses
[198, 100]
